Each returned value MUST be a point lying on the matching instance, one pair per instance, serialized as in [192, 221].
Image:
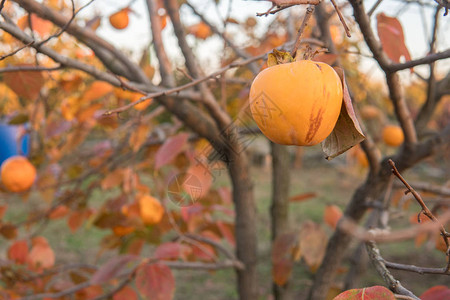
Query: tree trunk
[280, 203]
[245, 225]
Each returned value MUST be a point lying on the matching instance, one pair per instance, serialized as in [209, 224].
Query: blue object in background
[9, 143]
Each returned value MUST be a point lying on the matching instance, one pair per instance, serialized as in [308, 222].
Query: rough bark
[245, 225]
[280, 203]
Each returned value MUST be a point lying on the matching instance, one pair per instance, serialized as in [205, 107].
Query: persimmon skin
[296, 103]
[120, 19]
[17, 174]
[393, 135]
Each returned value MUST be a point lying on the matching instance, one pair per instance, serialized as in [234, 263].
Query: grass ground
[333, 182]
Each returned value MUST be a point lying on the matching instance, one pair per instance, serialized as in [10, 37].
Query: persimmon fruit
[393, 135]
[151, 210]
[200, 30]
[17, 174]
[296, 103]
[120, 19]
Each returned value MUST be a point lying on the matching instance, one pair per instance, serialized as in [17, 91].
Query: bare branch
[165, 68]
[341, 18]
[415, 269]
[15, 51]
[377, 260]
[424, 210]
[29, 69]
[374, 7]
[112, 58]
[396, 95]
[421, 61]
[185, 86]
[308, 14]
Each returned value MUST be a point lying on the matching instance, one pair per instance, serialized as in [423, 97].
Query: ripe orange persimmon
[120, 19]
[200, 30]
[393, 135]
[296, 103]
[17, 174]
[151, 210]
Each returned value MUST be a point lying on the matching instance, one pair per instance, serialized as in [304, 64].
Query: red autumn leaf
[203, 176]
[227, 231]
[168, 250]
[332, 215]
[112, 268]
[170, 149]
[41, 26]
[41, 255]
[302, 197]
[127, 293]
[284, 253]
[26, 84]
[392, 39]
[438, 292]
[155, 281]
[75, 220]
[59, 212]
[3, 210]
[313, 241]
[135, 246]
[18, 251]
[371, 293]
[8, 231]
[347, 132]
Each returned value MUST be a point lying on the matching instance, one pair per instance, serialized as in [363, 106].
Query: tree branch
[377, 260]
[165, 68]
[112, 58]
[421, 61]
[393, 81]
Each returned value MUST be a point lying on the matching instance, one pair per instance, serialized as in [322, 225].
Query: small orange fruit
[200, 30]
[296, 103]
[393, 135]
[17, 174]
[151, 210]
[120, 19]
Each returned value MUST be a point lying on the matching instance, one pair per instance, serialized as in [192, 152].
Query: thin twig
[341, 18]
[29, 69]
[372, 10]
[16, 51]
[185, 86]
[415, 269]
[273, 10]
[308, 14]
[424, 210]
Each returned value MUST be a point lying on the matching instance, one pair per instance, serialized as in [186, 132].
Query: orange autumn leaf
[25, 84]
[97, 90]
[332, 215]
[151, 210]
[18, 251]
[59, 212]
